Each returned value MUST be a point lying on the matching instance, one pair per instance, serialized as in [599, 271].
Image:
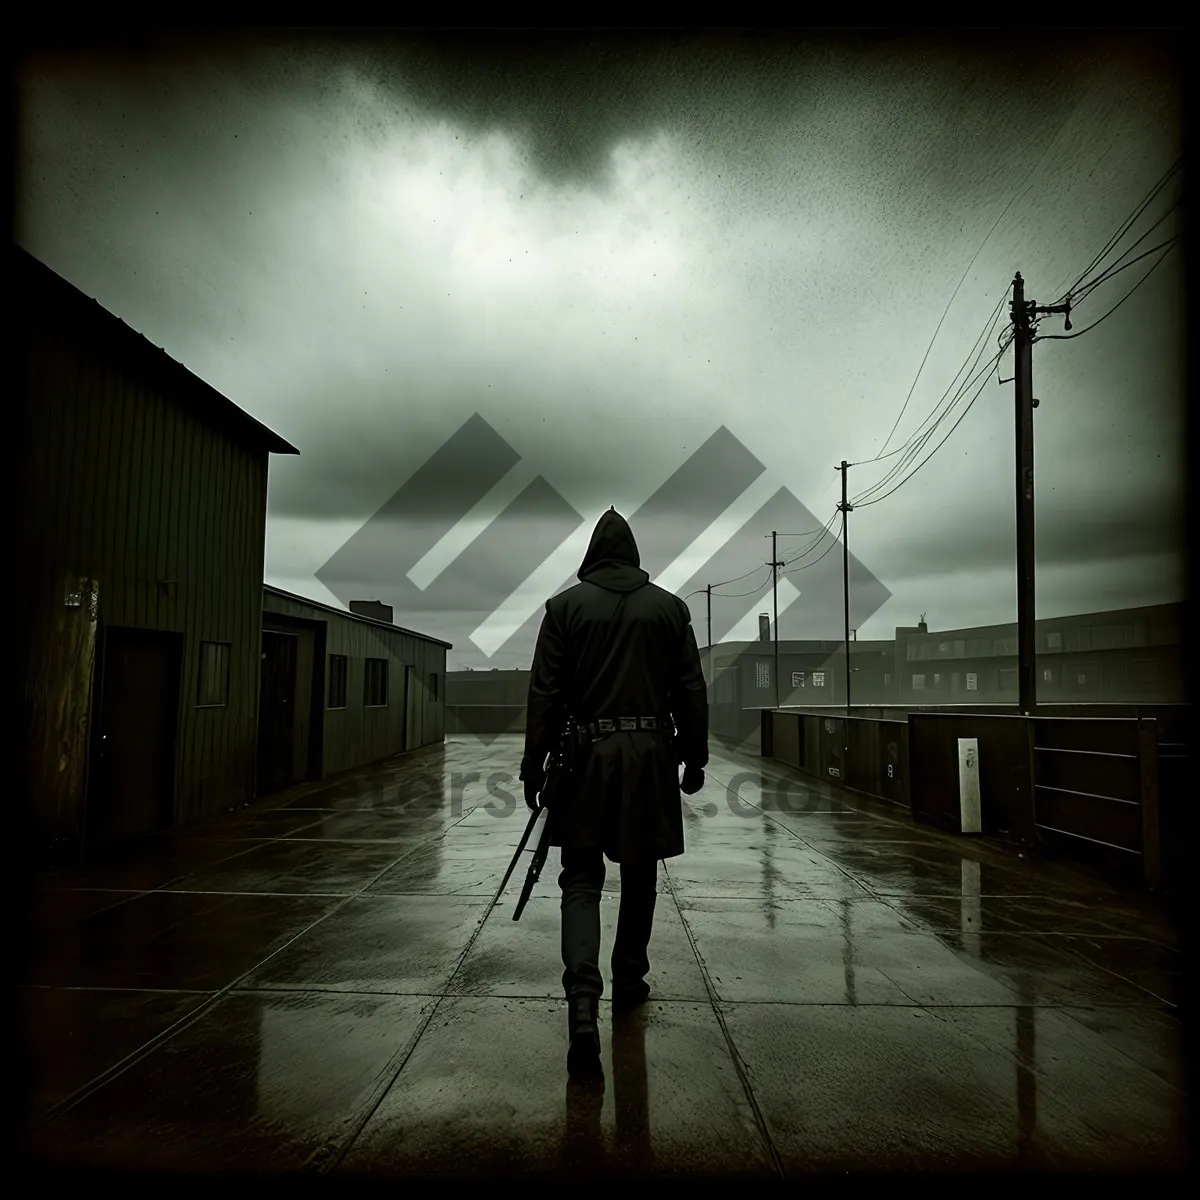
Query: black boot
[583, 1053]
[628, 996]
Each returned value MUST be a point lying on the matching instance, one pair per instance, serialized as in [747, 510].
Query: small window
[937, 680]
[213, 689]
[1054, 641]
[375, 685]
[972, 681]
[918, 683]
[797, 679]
[433, 686]
[818, 678]
[762, 675]
[337, 680]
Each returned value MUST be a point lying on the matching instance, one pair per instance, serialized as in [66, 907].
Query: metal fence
[1105, 791]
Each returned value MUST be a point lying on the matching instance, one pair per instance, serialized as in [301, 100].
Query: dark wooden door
[138, 720]
[276, 711]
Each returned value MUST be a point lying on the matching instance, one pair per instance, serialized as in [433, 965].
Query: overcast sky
[583, 262]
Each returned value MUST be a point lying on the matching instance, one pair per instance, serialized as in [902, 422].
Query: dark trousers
[581, 881]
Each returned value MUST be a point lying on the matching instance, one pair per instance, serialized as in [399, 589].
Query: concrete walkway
[329, 983]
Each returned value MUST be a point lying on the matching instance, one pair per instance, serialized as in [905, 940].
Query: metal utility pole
[844, 508]
[708, 592]
[775, 565]
[1023, 314]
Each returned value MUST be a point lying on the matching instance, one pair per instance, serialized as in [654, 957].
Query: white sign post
[968, 785]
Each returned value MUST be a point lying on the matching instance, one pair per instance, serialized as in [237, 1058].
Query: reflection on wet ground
[329, 983]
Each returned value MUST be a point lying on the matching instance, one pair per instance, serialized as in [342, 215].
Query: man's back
[613, 650]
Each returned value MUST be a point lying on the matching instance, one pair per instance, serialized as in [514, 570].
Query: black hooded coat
[617, 645]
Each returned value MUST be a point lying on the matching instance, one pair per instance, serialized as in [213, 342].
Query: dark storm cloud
[609, 247]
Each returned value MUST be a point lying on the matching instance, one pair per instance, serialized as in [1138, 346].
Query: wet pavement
[329, 983]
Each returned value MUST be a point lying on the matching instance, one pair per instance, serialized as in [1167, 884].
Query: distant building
[1125, 657]
[342, 689]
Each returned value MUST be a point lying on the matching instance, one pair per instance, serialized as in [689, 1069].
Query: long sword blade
[520, 847]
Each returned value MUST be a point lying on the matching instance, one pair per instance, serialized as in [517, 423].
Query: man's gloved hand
[692, 781]
[534, 778]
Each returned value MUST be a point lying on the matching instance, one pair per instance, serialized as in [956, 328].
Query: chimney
[372, 609]
[764, 627]
[921, 626]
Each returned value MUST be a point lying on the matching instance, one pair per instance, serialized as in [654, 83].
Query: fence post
[1028, 832]
[767, 740]
[1147, 745]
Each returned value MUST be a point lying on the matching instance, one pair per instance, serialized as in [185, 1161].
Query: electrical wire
[936, 448]
[1021, 192]
[1083, 288]
[875, 494]
[815, 560]
[753, 591]
[1066, 337]
[918, 442]
[1115, 270]
[990, 322]
[821, 535]
[915, 439]
[1116, 237]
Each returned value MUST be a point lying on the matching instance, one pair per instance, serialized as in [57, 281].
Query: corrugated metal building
[142, 496]
[342, 689]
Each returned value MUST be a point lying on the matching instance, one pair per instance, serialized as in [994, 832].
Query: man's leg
[581, 882]
[630, 957]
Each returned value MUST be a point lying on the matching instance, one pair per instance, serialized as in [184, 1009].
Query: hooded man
[617, 655]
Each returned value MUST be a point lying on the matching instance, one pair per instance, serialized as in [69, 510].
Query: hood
[612, 559]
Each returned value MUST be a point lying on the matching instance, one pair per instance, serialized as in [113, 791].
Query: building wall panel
[130, 489]
[357, 735]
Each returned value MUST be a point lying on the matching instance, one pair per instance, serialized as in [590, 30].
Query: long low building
[342, 689]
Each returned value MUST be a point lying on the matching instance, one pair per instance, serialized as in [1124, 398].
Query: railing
[1086, 787]
[1096, 787]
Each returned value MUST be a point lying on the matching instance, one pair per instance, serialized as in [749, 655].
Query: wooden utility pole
[775, 565]
[1024, 313]
[708, 593]
[844, 508]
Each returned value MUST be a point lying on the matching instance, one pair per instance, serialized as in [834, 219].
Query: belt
[603, 726]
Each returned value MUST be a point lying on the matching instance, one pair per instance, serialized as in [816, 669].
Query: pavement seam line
[146, 1049]
[335, 1160]
[739, 1064]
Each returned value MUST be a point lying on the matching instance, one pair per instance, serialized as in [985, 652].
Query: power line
[738, 595]
[919, 442]
[1088, 285]
[981, 337]
[814, 561]
[872, 496]
[821, 534]
[1020, 192]
[936, 448]
[916, 438]
[1116, 237]
[1115, 270]
[1066, 337]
